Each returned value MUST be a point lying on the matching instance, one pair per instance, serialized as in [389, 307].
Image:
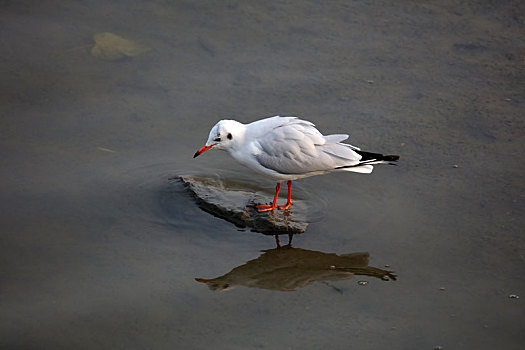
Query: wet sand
[99, 249]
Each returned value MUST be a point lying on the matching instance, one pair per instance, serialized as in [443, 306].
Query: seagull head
[224, 135]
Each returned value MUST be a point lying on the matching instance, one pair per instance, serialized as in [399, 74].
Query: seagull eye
[218, 139]
[230, 136]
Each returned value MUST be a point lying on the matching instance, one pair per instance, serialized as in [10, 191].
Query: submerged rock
[112, 47]
[237, 205]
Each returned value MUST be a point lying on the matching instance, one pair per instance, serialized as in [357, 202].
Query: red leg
[277, 241]
[274, 204]
[289, 201]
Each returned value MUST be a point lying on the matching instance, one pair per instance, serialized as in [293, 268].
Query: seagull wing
[295, 147]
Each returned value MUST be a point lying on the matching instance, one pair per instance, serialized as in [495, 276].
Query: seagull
[287, 149]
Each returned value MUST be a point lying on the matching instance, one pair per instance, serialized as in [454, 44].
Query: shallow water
[100, 249]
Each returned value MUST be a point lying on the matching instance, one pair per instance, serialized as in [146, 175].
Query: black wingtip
[370, 156]
[391, 158]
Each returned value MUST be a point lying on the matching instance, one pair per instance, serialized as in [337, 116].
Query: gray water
[100, 246]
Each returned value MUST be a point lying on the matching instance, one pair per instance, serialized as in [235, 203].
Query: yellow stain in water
[112, 47]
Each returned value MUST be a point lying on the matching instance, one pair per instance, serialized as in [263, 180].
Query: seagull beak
[202, 150]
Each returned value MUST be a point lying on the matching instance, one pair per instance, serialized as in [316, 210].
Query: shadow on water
[288, 269]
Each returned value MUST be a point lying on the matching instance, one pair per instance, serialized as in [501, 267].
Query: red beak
[202, 150]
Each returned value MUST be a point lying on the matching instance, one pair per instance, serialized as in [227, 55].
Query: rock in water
[237, 206]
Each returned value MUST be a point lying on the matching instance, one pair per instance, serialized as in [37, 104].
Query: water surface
[99, 249]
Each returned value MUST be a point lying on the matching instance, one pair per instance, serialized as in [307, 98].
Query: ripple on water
[155, 194]
[310, 203]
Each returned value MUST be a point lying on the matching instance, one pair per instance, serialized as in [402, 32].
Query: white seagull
[289, 148]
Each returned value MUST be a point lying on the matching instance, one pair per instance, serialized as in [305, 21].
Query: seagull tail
[368, 159]
[363, 169]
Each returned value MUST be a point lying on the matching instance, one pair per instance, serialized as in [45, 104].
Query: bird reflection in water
[288, 269]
